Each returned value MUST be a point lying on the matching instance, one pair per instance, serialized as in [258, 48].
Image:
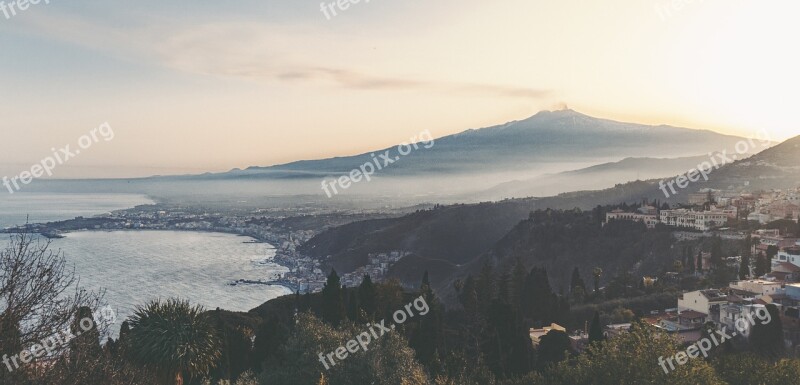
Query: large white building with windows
[698, 220]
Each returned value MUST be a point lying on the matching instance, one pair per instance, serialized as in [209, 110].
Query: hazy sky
[213, 85]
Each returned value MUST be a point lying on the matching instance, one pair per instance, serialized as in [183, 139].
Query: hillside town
[771, 277]
[711, 209]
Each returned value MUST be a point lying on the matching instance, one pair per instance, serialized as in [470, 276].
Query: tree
[38, 296]
[716, 252]
[762, 265]
[633, 358]
[486, 286]
[699, 261]
[333, 310]
[518, 276]
[426, 338]
[766, 338]
[553, 348]
[744, 267]
[366, 294]
[596, 330]
[174, 339]
[772, 251]
[576, 281]
[389, 360]
[539, 297]
[597, 273]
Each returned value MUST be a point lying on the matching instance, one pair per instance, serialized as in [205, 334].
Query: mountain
[545, 142]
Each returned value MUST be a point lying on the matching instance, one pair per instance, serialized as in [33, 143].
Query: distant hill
[592, 178]
[775, 168]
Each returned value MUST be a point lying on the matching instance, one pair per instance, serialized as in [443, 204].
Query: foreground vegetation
[484, 340]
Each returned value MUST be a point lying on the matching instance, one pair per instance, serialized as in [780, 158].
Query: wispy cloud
[256, 51]
[363, 81]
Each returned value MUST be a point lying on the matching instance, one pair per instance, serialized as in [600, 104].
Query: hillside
[462, 234]
[592, 178]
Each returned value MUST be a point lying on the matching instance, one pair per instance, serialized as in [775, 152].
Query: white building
[701, 300]
[759, 287]
[698, 220]
[650, 220]
[736, 316]
[789, 254]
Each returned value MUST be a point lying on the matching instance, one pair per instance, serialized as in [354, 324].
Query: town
[771, 276]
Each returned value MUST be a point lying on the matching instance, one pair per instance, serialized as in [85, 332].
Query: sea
[136, 266]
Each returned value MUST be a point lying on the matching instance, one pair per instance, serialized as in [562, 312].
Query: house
[736, 316]
[537, 334]
[793, 291]
[785, 272]
[789, 255]
[691, 319]
[700, 300]
[760, 218]
[759, 287]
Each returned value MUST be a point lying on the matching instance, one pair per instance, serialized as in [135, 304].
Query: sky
[210, 85]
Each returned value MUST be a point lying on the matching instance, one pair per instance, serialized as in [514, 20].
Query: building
[701, 197]
[783, 210]
[650, 220]
[736, 316]
[700, 300]
[759, 287]
[788, 255]
[698, 220]
[537, 334]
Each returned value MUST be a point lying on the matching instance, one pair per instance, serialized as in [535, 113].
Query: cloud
[362, 81]
[260, 52]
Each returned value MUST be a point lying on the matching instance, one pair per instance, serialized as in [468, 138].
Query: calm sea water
[137, 266]
[46, 207]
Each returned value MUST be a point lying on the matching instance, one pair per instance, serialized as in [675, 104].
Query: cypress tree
[333, 310]
[366, 294]
[766, 338]
[596, 330]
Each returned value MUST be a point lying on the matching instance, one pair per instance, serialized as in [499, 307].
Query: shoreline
[288, 286]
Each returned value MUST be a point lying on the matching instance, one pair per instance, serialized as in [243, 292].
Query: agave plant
[173, 339]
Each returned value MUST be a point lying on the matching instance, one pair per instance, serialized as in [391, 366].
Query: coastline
[289, 286]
